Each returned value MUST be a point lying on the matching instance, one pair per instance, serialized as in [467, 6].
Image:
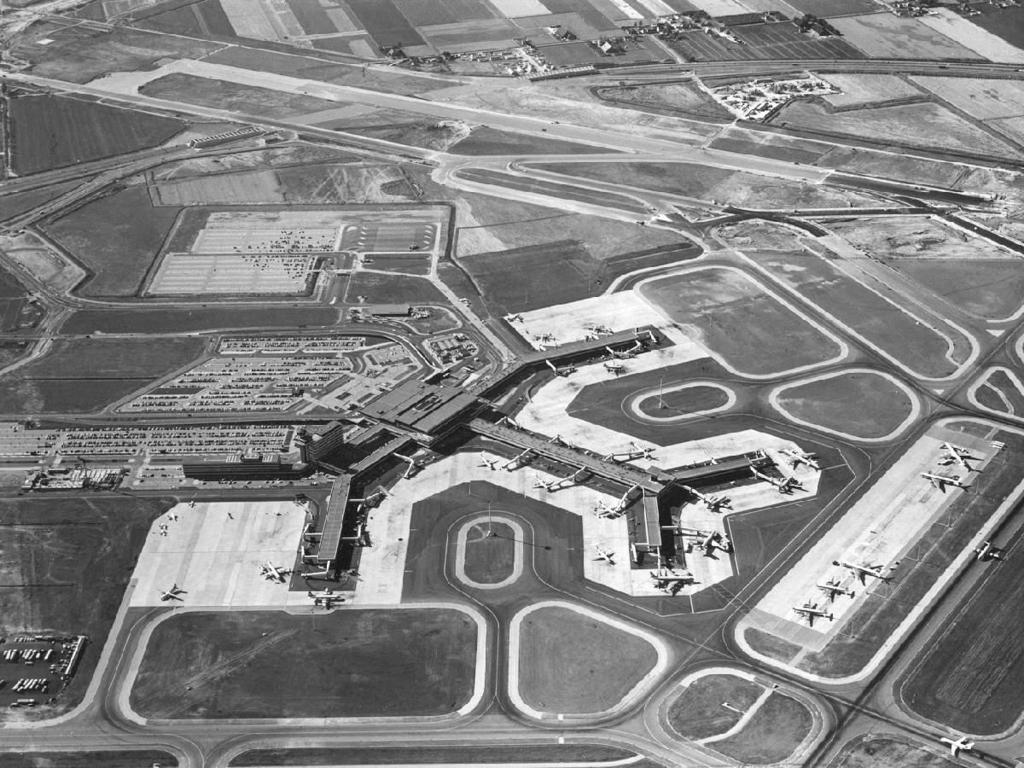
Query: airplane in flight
[713, 503]
[796, 458]
[671, 581]
[567, 371]
[782, 485]
[862, 572]
[956, 746]
[325, 597]
[604, 554]
[615, 367]
[943, 481]
[810, 611]
[174, 593]
[272, 572]
[989, 551]
[954, 454]
[491, 464]
[832, 588]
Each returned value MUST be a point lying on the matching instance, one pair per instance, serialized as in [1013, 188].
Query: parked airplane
[518, 461]
[831, 588]
[273, 572]
[671, 581]
[954, 454]
[810, 611]
[625, 354]
[796, 458]
[633, 452]
[605, 510]
[489, 463]
[706, 541]
[782, 485]
[989, 551]
[604, 554]
[174, 593]
[862, 572]
[943, 481]
[514, 318]
[713, 503]
[567, 371]
[325, 573]
[614, 367]
[325, 597]
[956, 746]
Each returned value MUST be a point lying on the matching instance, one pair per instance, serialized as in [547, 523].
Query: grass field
[484, 140]
[691, 399]
[99, 759]
[493, 753]
[991, 289]
[1006, 396]
[881, 405]
[889, 166]
[490, 552]
[877, 319]
[235, 97]
[64, 563]
[710, 184]
[572, 663]
[968, 679]
[699, 711]
[681, 97]
[888, 752]
[116, 238]
[732, 315]
[54, 131]
[79, 54]
[185, 320]
[983, 99]
[858, 90]
[347, 663]
[87, 374]
[926, 125]
[772, 734]
[904, 238]
[391, 289]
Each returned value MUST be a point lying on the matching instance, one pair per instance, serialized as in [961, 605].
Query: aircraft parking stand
[213, 552]
[878, 530]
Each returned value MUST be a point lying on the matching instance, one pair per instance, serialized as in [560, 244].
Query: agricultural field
[1005, 23]
[882, 405]
[233, 97]
[773, 733]
[710, 184]
[828, 8]
[573, 663]
[492, 753]
[98, 759]
[926, 125]
[54, 131]
[885, 36]
[761, 42]
[889, 752]
[983, 99]
[82, 375]
[116, 238]
[876, 318]
[64, 563]
[698, 712]
[490, 552]
[732, 315]
[350, 663]
[967, 678]
[205, 18]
